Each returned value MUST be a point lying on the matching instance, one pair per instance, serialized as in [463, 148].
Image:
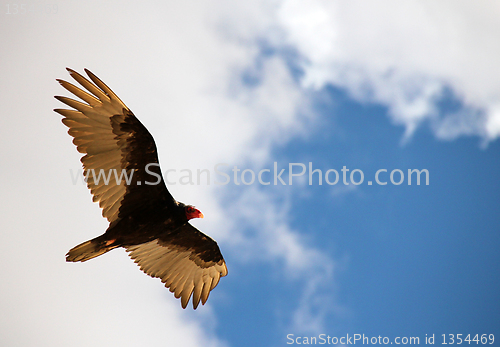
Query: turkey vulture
[143, 216]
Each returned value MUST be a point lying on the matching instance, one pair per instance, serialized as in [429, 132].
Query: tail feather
[87, 250]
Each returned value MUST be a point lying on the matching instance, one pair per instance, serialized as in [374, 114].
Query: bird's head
[192, 212]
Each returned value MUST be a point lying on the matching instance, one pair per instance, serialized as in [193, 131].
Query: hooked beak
[194, 214]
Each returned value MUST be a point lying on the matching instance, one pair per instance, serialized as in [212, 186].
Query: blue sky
[365, 85]
[415, 260]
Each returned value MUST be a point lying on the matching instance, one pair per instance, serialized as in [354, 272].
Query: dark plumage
[143, 216]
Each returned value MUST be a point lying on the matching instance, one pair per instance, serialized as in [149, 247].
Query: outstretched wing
[120, 154]
[187, 261]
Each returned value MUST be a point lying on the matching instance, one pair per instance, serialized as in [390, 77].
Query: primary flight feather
[143, 216]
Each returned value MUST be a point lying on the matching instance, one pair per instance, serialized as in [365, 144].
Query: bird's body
[144, 217]
[141, 226]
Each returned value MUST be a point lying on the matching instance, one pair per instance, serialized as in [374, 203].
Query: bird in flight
[143, 216]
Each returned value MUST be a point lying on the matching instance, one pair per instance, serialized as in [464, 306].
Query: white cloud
[179, 69]
[493, 122]
[269, 239]
[403, 55]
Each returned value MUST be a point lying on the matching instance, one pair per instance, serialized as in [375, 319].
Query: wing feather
[112, 139]
[114, 98]
[187, 261]
[89, 99]
[186, 294]
[89, 86]
[206, 289]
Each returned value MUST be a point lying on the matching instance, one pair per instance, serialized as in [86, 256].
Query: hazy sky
[260, 84]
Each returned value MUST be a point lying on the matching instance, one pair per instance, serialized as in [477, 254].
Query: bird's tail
[88, 250]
